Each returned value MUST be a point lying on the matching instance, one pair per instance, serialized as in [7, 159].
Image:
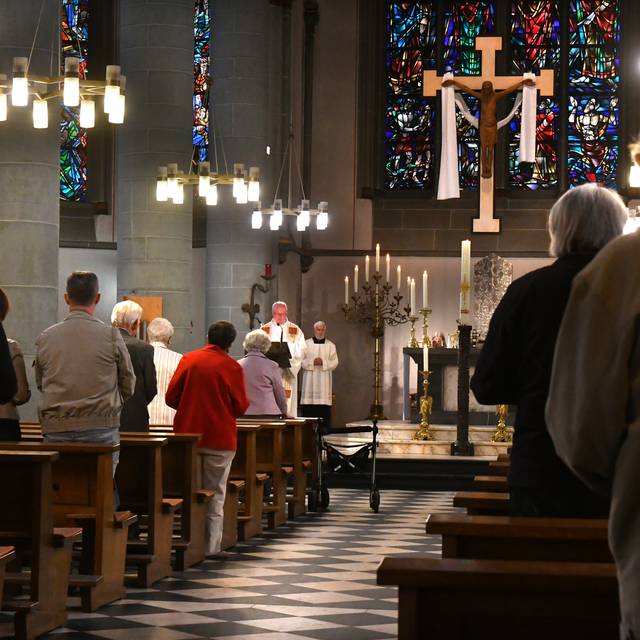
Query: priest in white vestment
[280, 330]
[317, 379]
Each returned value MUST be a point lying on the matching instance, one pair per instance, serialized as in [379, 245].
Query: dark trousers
[322, 411]
[542, 503]
[9, 430]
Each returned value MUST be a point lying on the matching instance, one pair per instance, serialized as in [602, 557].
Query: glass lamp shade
[71, 93]
[20, 92]
[322, 220]
[116, 115]
[40, 114]
[275, 221]
[178, 198]
[3, 107]
[242, 193]
[87, 114]
[203, 186]
[212, 195]
[634, 176]
[253, 191]
[162, 190]
[111, 97]
[256, 219]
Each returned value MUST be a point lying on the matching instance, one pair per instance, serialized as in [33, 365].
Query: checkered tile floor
[314, 578]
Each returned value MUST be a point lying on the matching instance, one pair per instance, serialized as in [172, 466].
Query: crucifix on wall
[488, 88]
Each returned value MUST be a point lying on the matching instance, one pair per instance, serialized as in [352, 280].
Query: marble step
[398, 431]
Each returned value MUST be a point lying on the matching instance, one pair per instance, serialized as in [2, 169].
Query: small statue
[438, 341]
[454, 339]
[426, 407]
[502, 432]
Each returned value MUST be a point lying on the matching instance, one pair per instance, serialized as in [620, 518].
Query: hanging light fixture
[3, 99]
[203, 179]
[71, 92]
[253, 188]
[322, 219]
[162, 185]
[256, 217]
[276, 219]
[20, 85]
[40, 114]
[212, 194]
[87, 113]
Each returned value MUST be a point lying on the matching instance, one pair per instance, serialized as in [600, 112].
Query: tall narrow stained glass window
[73, 140]
[201, 62]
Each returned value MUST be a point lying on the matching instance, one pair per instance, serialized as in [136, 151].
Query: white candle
[413, 297]
[425, 293]
[346, 290]
[388, 268]
[425, 358]
[366, 269]
[465, 282]
[378, 258]
[399, 277]
[355, 279]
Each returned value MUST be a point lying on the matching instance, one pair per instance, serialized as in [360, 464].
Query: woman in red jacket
[208, 393]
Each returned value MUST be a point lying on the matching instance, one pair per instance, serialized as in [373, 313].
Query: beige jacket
[593, 409]
[8, 411]
[84, 372]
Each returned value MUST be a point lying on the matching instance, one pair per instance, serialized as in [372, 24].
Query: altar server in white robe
[281, 330]
[317, 378]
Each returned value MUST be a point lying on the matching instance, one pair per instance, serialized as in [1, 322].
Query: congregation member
[593, 410]
[9, 418]
[208, 393]
[165, 360]
[8, 382]
[126, 317]
[514, 366]
[321, 359]
[287, 349]
[263, 381]
[83, 370]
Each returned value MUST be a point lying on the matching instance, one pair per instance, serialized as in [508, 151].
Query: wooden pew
[26, 522]
[502, 600]
[269, 441]
[506, 538]
[139, 482]
[7, 555]
[490, 483]
[180, 480]
[478, 503]
[83, 496]
[500, 469]
[231, 508]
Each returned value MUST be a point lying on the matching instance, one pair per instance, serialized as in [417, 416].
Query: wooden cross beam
[432, 83]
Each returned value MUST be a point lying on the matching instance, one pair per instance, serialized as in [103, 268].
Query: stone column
[243, 58]
[29, 183]
[155, 238]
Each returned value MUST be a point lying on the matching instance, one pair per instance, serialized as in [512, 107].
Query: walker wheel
[374, 500]
[324, 498]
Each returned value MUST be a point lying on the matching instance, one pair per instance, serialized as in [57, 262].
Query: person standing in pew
[83, 370]
[126, 316]
[208, 393]
[8, 382]
[9, 418]
[593, 409]
[160, 332]
[514, 366]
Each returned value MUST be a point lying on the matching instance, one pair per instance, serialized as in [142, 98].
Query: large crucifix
[432, 83]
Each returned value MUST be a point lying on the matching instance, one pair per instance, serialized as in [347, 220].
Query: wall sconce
[252, 308]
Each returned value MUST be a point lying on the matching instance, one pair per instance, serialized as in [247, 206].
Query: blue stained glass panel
[201, 83]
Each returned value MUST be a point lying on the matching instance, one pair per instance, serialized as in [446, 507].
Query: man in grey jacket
[593, 409]
[83, 370]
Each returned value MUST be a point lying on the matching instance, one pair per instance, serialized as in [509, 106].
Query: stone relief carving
[491, 277]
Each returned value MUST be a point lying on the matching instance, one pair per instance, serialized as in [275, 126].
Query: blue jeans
[101, 435]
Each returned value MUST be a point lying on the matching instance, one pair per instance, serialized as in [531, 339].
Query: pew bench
[500, 469]
[459, 599]
[497, 484]
[507, 538]
[478, 503]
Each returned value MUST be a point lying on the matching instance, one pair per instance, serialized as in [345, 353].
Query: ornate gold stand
[426, 404]
[502, 432]
[426, 340]
[413, 341]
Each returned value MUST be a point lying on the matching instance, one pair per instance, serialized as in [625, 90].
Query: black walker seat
[332, 460]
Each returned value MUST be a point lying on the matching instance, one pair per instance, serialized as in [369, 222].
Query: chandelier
[74, 90]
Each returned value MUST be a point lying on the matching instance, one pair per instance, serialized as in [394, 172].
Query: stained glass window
[594, 81]
[202, 34]
[73, 140]
[535, 45]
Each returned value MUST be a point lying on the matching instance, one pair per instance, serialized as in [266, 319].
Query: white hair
[257, 340]
[585, 219]
[160, 330]
[125, 314]
[319, 323]
[279, 303]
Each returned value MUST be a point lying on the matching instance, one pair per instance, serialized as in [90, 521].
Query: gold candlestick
[426, 340]
[413, 341]
[426, 405]
[502, 432]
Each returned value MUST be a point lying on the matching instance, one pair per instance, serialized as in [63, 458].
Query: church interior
[408, 220]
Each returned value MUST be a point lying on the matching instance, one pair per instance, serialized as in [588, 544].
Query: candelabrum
[376, 306]
[413, 340]
[426, 405]
[426, 341]
[502, 431]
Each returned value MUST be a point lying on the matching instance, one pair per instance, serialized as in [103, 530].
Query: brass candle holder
[426, 340]
[502, 432]
[426, 405]
[413, 341]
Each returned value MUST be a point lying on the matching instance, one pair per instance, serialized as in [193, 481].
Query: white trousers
[215, 468]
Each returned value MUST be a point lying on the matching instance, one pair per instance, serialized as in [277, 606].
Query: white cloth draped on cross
[449, 182]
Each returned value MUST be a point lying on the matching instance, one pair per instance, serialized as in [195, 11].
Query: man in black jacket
[8, 384]
[135, 416]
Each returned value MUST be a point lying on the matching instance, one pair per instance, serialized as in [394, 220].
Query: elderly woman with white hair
[126, 316]
[515, 364]
[159, 333]
[262, 378]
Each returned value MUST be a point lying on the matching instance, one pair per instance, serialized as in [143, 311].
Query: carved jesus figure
[488, 120]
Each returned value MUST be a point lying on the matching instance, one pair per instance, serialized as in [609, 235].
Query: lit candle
[346, 290]
[366, 269]
[378, 258]
[388, 268]
[425, 358]
[465, 283]
[399, 277]
[413, 297]
[355, 279]
[425, 294]
[408, 288]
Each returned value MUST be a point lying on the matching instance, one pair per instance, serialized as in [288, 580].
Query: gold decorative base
[423, 433]
[501, 433]
[413, 340]
[426, 404]
[376, 412]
